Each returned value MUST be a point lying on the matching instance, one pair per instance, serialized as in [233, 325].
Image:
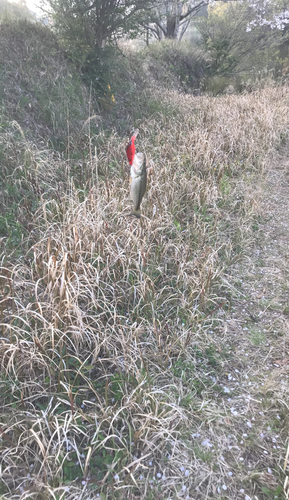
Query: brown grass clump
[108, 373]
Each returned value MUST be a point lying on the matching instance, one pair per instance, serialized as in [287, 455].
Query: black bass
[138, 180]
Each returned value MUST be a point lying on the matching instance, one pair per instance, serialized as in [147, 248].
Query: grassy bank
[113, 355]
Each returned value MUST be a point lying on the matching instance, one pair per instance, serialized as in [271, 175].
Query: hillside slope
[43, 109]
[39, 88]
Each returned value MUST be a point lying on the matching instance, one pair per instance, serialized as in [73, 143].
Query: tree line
[100, 21]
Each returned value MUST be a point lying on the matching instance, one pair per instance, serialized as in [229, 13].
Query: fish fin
[136, 213]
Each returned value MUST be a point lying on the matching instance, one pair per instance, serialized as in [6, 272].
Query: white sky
[33, 5]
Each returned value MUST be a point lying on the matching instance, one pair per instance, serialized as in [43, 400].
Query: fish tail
[136, 213]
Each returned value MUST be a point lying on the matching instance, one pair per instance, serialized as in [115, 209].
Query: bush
[179, 63]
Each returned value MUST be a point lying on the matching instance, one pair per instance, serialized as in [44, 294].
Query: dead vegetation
[114, 354]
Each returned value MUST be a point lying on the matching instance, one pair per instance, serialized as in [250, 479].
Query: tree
[274, 14]
[227, 40]
[171, 18]
[90, 23]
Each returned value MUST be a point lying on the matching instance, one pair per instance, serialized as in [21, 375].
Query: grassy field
[113, 355]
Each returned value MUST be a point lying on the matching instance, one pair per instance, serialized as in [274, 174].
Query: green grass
[257, 337]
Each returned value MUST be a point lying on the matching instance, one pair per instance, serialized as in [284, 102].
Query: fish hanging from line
[138, 175]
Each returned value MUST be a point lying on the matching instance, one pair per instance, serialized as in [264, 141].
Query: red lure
[130, 149]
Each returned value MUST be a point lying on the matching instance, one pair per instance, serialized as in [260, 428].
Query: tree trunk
[173, 23]
[100, 38]
[173, 20]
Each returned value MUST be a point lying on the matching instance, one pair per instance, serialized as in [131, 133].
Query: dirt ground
[254, 439]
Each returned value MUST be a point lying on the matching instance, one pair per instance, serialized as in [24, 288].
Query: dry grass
[109, 369]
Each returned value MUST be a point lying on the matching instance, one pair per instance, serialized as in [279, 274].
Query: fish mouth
[139, 157]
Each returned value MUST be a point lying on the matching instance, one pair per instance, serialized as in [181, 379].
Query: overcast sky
[33, 5]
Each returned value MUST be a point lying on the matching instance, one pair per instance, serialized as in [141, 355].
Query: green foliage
[42, 90]
[231, 47]
[225, 185]
[11, 228]
[82, 25]
[181, 62]
[224, 37]
[98, 69]
[257, 337]
[270, 494]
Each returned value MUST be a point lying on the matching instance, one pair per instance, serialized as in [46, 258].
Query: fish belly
[135, 192]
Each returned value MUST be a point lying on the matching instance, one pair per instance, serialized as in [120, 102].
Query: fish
[138, 180]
